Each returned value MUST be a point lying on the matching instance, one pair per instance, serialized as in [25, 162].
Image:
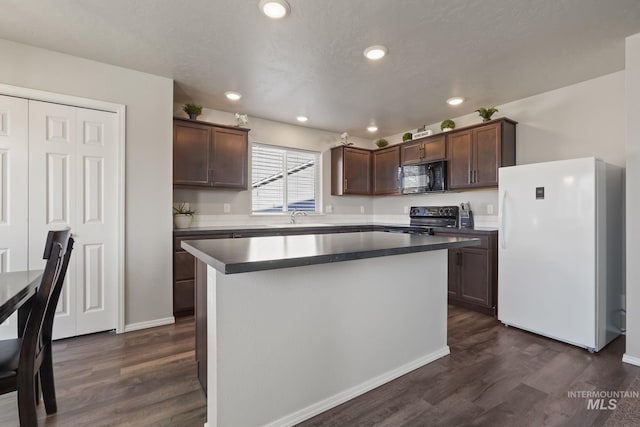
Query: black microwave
[424, 178]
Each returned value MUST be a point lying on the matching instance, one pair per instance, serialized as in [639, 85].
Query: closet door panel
[53, 194]
[96, 226]
[14, 175]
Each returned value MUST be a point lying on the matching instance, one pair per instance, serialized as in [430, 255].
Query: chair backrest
[57, 287]
[57, 252]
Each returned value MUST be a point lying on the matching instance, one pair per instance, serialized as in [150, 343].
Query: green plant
[182, 209]
[382, 143]
[448, 124]
[192, 109]
[407, 136]
[486, 113]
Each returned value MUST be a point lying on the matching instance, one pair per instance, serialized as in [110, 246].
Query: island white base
[287, 344]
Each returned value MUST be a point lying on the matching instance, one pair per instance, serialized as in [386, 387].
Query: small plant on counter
[408, 136]
[192, 110]
[486, 113]
[183, 209]
[447, 125]
[182, 215]
[382, 143]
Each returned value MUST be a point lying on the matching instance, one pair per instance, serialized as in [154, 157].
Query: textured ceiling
[311, 63]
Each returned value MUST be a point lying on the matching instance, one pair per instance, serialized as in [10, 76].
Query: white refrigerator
[560, 256]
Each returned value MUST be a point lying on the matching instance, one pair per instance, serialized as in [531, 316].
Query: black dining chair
[26, 362]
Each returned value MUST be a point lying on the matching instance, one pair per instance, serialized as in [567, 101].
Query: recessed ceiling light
[375, 52]
[302, 118]
[234, 96]
[456, 100]
[372, 128]
[275, 9]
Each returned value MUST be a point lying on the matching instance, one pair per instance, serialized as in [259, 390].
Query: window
[284, 179]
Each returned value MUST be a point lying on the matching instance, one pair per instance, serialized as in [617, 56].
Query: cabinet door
[411, 153]
[486, 155]
[357, 171]
[230, 155]
[434, 149]
[474, 276]
[460, 160]
[386, 164]
[191, 154]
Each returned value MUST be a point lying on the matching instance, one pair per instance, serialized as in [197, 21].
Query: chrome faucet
[294, 213]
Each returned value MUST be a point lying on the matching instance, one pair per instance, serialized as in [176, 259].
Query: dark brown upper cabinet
[429, 149]
[350, 171]
[386, 166]
[209, 155]
[476, 152]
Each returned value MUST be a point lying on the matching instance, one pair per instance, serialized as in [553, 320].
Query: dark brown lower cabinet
[473, 273]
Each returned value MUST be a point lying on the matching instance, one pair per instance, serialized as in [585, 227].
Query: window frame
[285, 204]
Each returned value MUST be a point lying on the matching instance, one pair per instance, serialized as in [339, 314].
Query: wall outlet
[489, 209]
[405, 209]
[227, 207]
[328, 209]
[361, 209]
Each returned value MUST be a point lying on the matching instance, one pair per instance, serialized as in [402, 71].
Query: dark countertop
[268, 253]
[311, 228]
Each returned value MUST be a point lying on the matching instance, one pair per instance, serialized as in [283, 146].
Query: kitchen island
[299, 324]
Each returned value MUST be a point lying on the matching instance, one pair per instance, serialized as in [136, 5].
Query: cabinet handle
[470, 177]
[345, 184]
[475, 176]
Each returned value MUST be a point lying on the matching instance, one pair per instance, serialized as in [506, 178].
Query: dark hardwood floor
[495, 376]
[141, 378]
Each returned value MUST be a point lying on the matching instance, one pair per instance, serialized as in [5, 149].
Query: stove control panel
[434, 211]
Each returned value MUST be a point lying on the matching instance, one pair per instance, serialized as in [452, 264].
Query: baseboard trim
[350, 393]
[632, 360]
[149, 324]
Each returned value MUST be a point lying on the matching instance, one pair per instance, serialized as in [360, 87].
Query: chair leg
[27, 407]
[47, 382]
[36, 386]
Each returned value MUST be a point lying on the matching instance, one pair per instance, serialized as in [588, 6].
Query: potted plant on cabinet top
[486, 113]
[381, 143]
[182, 215]
[408, 136]
[192, 110]
[447, 125]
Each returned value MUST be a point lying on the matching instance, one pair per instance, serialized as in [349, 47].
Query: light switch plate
[328, 209]
[361, 209]
[489, 209]
[227, 207]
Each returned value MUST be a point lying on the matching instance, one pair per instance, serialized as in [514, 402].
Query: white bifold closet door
[71, 182]
[14, 202]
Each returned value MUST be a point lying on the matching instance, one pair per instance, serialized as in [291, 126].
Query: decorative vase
[193, 116]
[182, 220]
[446, 129]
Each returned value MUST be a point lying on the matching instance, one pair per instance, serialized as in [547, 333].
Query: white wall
[583, 120]
[632, 89]
[149, 100]
[210, 202]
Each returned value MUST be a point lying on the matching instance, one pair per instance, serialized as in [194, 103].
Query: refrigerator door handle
[501, 207]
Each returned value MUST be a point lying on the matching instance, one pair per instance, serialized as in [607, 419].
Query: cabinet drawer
[184, 266]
